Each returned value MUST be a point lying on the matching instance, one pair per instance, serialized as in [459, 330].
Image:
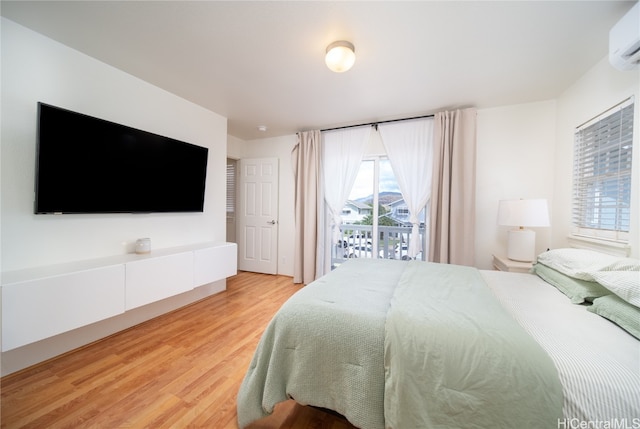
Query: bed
[409, 344]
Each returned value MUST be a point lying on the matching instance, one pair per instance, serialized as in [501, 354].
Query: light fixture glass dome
[340, 56]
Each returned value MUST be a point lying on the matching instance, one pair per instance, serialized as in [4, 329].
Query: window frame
[603, 154]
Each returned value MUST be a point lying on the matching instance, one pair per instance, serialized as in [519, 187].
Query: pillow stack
[610, 284]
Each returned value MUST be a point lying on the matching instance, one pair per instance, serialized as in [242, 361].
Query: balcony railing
[357, 241]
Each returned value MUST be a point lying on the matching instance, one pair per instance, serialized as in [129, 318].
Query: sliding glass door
[375, 218]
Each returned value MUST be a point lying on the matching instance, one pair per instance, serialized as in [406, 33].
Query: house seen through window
[375, 217]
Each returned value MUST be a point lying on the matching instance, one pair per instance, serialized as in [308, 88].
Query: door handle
[272, 222]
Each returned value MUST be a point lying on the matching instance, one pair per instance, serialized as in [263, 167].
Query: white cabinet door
[215, 263]
[41, 308]
[153, 279]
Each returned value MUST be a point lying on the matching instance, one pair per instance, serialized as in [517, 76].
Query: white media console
[42, 302]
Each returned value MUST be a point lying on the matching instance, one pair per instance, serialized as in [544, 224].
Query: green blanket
[325, 347]
[397, 344]
[454, 357]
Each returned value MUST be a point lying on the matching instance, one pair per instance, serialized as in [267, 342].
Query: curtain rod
[375, 124]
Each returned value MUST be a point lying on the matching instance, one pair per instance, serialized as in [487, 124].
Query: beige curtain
[305, 158]
[452, 225]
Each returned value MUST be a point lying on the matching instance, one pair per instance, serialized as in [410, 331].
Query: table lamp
[521, 242]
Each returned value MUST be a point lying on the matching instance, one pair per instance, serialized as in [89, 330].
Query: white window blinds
[231, 189]
[602, 174]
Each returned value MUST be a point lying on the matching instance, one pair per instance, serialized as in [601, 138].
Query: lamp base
[521, 245]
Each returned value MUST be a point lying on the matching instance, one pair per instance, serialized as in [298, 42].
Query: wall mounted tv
[89, 165]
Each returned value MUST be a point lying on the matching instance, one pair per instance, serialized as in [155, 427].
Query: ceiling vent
[624, 41]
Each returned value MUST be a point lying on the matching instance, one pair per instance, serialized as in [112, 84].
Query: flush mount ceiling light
[340, 56]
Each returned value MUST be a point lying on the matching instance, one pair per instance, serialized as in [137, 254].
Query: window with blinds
[231, 189]
[602, 175]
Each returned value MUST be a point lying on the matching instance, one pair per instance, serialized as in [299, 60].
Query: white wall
[35, 68]
[515, 157]
[235, 147]
[599, 89]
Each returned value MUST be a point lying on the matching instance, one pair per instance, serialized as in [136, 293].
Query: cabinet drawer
[215, 263]
[153, 279]
[40, 308]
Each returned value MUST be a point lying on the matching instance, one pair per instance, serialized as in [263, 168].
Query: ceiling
[262, 62]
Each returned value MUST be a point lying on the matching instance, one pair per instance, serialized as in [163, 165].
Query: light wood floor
[182, 369]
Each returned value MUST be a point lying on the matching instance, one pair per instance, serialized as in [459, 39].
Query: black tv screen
[89, 165]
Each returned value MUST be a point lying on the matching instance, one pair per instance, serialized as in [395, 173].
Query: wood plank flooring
[180, 370]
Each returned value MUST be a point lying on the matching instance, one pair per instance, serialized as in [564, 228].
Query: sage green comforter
[402, 344]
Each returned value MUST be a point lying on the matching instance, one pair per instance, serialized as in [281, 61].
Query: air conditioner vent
[624, 41]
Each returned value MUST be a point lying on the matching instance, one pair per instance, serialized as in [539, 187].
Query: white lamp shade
[521, 213]
[340, 56]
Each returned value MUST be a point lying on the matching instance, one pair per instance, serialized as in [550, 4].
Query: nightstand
[502, 263]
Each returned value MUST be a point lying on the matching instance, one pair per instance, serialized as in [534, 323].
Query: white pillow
[577, 263]
[625, 284]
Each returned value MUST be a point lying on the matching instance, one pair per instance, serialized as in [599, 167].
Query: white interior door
[258, 215]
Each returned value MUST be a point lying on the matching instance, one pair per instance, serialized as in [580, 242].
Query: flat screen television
[89, 165]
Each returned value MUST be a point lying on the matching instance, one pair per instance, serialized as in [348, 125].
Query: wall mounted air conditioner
[624, 41]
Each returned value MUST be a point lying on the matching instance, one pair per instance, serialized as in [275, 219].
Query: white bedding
[598, 362]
